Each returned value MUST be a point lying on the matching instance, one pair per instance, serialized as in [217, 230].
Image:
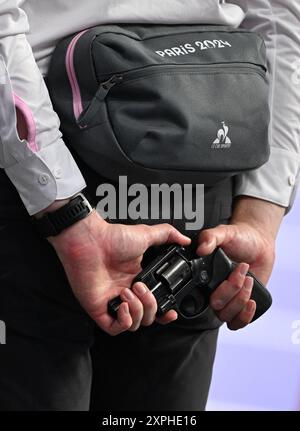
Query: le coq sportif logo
[222, 141]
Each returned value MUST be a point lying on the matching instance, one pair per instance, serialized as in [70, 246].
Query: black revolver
[182, 281]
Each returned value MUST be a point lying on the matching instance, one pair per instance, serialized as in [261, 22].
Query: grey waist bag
[183, 104]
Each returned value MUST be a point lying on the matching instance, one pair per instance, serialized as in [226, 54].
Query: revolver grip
[223, 266]
[261, 296]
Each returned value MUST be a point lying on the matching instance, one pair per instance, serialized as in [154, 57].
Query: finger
[136, 308]
[149, 303]
[115, 327]
[166, 234]
[169, 317]
[237, 304]
[209, 239]
[244, 317]
[229, 288]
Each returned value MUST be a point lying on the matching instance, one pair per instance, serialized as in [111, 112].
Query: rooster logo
[222, 140]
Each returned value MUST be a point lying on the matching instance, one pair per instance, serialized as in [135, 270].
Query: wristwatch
[52, 224]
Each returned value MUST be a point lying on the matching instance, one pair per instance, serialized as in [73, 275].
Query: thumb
[210, 239]
[166, 234]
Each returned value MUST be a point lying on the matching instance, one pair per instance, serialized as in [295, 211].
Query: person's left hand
[255, 250]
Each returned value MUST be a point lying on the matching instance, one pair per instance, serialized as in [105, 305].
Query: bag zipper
[145, 72]
[75, 88]
[117, 79]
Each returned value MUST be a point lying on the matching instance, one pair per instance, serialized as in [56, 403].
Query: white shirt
[43, 170]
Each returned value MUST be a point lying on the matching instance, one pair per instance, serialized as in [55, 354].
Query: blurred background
[258, 368]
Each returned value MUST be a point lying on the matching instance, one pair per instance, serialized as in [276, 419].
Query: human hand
[250, 240]
[101, 260]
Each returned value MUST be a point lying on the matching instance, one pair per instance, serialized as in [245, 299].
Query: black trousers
[55, 357]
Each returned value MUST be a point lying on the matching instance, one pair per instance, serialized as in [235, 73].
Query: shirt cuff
[46, 176]
[276, 181]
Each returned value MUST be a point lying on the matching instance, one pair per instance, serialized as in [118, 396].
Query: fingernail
[244, 269]
[140, 289]
[126, 308]
[128, 295]
[175, 317]
[249, 283]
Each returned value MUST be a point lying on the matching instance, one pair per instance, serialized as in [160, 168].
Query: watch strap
[54, 223]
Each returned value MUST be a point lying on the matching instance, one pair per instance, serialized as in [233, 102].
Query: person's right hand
[101, 260]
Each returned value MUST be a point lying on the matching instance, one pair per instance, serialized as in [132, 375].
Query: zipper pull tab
[93, 109]
[106, 86]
